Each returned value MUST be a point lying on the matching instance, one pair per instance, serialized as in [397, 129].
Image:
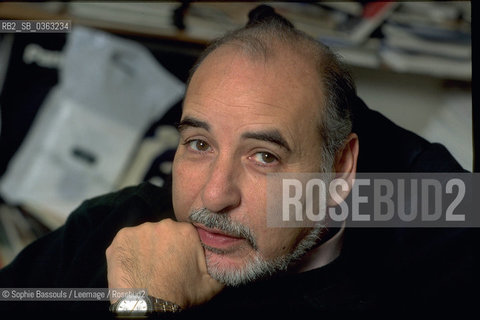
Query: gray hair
[260, 38]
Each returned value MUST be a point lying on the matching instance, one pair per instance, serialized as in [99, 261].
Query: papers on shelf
[430, 38]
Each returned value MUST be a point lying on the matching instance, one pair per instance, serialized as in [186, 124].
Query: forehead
[283, 88]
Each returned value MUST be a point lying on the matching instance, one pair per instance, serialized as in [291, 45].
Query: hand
[166, 258]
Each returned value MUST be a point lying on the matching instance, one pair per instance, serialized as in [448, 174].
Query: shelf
[345, 28]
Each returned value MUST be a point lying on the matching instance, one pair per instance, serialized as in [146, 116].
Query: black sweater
[391, 270]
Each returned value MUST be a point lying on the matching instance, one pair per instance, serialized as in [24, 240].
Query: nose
[221, 192]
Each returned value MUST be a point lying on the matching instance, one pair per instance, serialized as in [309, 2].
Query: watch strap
[163, 306]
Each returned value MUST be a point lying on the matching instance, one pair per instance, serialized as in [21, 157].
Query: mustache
[223, 223]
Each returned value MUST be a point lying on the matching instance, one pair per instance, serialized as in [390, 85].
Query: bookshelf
[432, 38]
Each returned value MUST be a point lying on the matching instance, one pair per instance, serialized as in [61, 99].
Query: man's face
[242, 119]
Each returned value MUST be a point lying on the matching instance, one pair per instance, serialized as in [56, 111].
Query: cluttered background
[92, 110]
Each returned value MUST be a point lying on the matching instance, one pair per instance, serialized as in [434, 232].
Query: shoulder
[74, 254]
[96, 221]
[387, 147]
[128, 206]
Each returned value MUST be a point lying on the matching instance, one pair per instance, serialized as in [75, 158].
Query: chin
[236, 271]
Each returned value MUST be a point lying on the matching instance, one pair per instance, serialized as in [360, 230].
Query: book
[429, 38]
[355, 30]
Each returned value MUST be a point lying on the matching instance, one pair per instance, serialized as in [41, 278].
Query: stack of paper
[431, 37]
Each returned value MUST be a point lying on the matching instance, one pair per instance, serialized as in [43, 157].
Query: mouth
[216, 240]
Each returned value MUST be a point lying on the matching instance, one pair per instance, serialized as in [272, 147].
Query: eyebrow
[192, 122]
[273, 136]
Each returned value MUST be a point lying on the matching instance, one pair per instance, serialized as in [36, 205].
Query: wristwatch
[142, 306]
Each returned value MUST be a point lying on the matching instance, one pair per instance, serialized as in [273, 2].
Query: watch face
[133, 305]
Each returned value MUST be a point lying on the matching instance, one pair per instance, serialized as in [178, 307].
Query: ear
[346, 166]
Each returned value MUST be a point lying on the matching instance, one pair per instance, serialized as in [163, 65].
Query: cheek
[280, 241]
[272, 242]
[186, 185]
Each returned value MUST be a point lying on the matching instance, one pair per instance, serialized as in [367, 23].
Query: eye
[264, 158]
[198, 145]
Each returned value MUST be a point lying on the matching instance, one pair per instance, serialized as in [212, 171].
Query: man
[255, 105]
[264, 99]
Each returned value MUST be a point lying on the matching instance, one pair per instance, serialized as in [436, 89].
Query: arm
[166, 258]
